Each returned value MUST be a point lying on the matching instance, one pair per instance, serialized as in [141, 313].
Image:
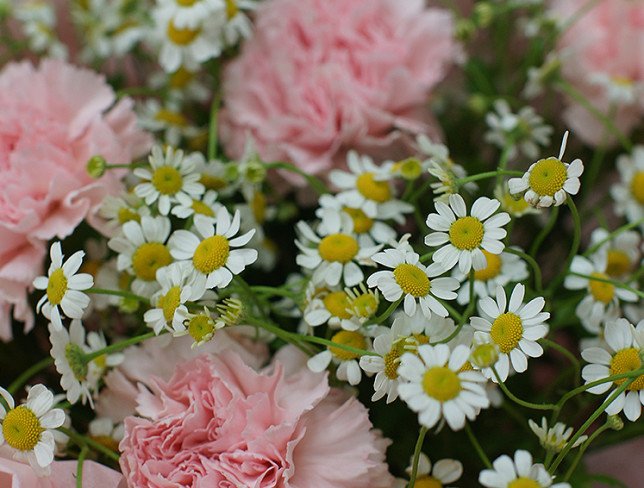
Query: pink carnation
[219, 423]
[320, 77]
[602, 57]
[54, 118]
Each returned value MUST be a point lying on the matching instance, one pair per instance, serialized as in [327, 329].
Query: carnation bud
[96, 166]
[484, 355]
[615, 422]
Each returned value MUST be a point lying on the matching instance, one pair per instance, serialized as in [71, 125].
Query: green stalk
[79, 467]
[28, 373]
[582, 450]
[417, 450]
[487, 174]
[117, 347]
[82, 441]
[576, 240]
[518, 401]
[612, 235]
[477, 447]
[616, 284]
[536, 244]
[536, 270]
[317, 184]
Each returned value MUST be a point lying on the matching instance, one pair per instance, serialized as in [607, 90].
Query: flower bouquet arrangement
[319, 243]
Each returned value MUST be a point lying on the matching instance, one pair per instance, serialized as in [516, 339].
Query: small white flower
[629, 192]
[439, 474]
[348, 367]
[105, 432]
[168, 176]
[514, 331]
[187, 207]
[463, 237]
[516, 206]
[191, 14]
[167, 118]
[622, 251]
[119, 210]
[619, 90]
[63, 287]
[508, 473]
[549, 181]
[556, 437]
[28, 428]
[622, 355]
[210, 254]
[436, 387]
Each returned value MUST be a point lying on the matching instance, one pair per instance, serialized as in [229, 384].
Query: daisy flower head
[549, 181]
[348, 368]
[436, 387]
[622, 354]
[517, 473]
[409, 279]
[190, 14]
[186, 206]
[119, 210]
[210, 251]
[328, 306]
[603, 299]
[463, 238]
[63, 287]
[514, 327]
[167, 117]
[200, 326]
[104, 431]
[556, 437]
[629, 192]
[333, 253]
[436, 475]
[622, 251]
[142, 249]
[28, 428]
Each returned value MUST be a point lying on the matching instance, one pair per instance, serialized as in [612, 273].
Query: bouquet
[320, 244]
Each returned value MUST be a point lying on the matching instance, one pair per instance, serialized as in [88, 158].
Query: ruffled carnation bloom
[601, 57]
[323, 76]
[217, 422]
[55, 117]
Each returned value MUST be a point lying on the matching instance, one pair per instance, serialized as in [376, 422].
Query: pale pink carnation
[602, 56]
[219, 423]
[54, 117]
[320, 77]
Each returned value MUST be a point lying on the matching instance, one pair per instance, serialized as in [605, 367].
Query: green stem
[426, 257]
[424, 188]
[82, 440]
[336, 345]
[536, 270]
[477, 447]
[582, 449]
[317, 184]
[79, 467]
[385, 315]
[28, 373]
[536, 244]
[503, 161]
[487, 174]
[612, 235]
[119, 346]
[117, 293]
[270, 291]
[417, 450]
[285, 335]
[518, 401]
[212, 129]
[576, 240]
[616, 284]
[247, 290]
[570, 356]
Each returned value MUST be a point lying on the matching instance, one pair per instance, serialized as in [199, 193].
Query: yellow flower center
[625, 361]
[171, 117]
[427, 482]
[347, 338]
[524, 483]
[21, 429]
[337, 303]
[441, 383]
[212, 182]
[167, 180]
[149, 257]
[258, 206]
[507, 331]
[637, 187]
[57, 286]
[180, 78]
[466, 233]
[548, 176]
[181, 37]
[231, 9]
[361, 223]
[372, 189]
[412, 280]
[491, 270]
[211, 254]
[410, 168]
[169, 302]
[338, 247]
[100, 361]
[392, 358]
[600, 290]
[201, 328]
[202, 208]
[514, 207]
[76, 359]
[187, 3]
[126, 215]
[617, 263]
[467, 366]
[364, 305]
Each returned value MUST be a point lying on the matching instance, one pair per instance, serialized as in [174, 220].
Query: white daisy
[347, 361]
[518, 473]
[167, 118]
[514, 331]
[619, 90]
[411, 279]
[28, 428]
[464, 237]
[168, 176]
[142, 251]
[500, 270]
[629, 192]
[334, 254]
[328, 306]
[119, 210]
[63, 287]
[186, 207]
[516, 206]
[622, 355]
[549, 180]
[438, 474]
[104, 431]
[191, 13]
[622, 251]
[436, 388]
[556, 437]
[238, 25]
[209, 253]
[603, 299]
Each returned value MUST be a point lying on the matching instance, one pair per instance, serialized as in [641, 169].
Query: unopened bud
[484, 355]
[96, 166]
[615, 422]
[410, 168]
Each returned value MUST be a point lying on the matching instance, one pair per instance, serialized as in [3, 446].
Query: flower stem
[385, 315]
[583, 448]
[515, 399]
[28, 373]
[83, 441]
[536, 270]
[617, 284]
[317, 184]
[487, 174]
[536, 244]
[79, 467]
[570, 356]
[417, 449]
[576, 240]
[118, 293]
[613, 234]
[212, 129]
[119, 346]
[477, 447]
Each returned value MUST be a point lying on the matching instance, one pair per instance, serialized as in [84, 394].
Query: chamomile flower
[329, 306]
[63, 287]
[549, 181]
[500, 270]
[28, 428]
[620, 90]
[168, 176]
[142, 251]
[520, 473]
[622, 251]
[237, 25]
[436, 387]
[603, 299]
[622, 355]
[333, 253]
[514, 327]
[105, 432]
[200, 326]
[629, 192]
[210, 251]
[119, 210]
[368, 187]
[514, 205]
[187, 206]
[167, 118]
[436, 475]
[190, 13]
[462, 237]
[410, 279]
[347, 361]
[556, 437]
